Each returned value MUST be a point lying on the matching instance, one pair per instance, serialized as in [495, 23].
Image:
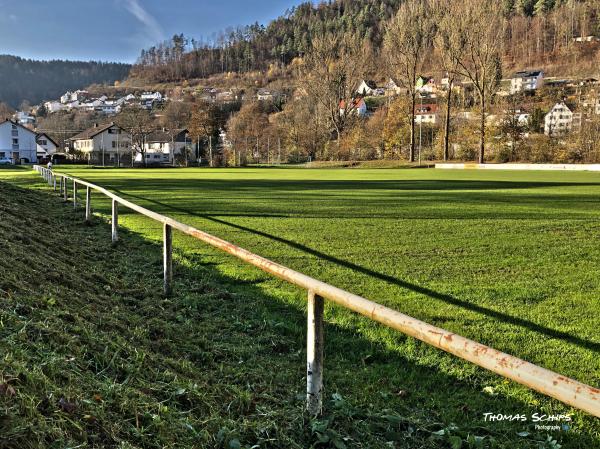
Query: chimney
[95, 125]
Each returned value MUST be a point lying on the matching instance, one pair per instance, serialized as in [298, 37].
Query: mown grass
[508, 259]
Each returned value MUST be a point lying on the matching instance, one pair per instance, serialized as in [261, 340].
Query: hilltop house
[367, 88]
[392, 88]
[265, 95]
[24, 118]
[560, 120]
[102, 142]
[46, 146]
[426, 85]
[17, 143]
[526, 81]
[426, 114]
[163, 146]
[359, 107]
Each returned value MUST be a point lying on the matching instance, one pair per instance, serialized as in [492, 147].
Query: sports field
[509, 259]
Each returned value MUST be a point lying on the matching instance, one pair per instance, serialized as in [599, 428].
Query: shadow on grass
[500, 316]
[232, 337]
[232, 185]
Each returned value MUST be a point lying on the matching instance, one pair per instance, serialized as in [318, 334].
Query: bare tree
[476, 47]
[446, 43]
[408, 36]
[139, 123]
[203, 124]
[330, 75]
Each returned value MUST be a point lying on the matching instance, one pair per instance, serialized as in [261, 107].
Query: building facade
[560, 120]
[526, 81]
[105, 144]
[17, 143]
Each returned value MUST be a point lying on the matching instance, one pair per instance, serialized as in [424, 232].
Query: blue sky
[117, 30]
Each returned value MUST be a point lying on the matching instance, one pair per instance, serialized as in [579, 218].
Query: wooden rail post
[314, 354]
[65, 191]
[167, 258]
[54, 181]
[74, 194]
[88, 204]
[115, 221]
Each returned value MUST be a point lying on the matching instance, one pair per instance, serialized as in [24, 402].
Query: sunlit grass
[509, 259]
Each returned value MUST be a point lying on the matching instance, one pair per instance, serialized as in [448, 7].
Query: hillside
[36, 81]
[540, 33]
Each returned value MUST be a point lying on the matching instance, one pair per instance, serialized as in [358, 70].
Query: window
[43, 142]
[2, 154]
[114, 144]
[14, 127]
[15, 141]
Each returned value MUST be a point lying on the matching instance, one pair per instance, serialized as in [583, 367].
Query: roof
[426, 109]
[528, 74]
[12, 122]
[39, 136]
[372, 84]
[356, 103]
[166, 135]
[92, 132]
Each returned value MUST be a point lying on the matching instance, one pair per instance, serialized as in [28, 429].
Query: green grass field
[509, 259]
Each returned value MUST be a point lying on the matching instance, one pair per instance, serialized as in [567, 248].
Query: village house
[164, 146]
[102, 142]
[522, 117]
[46, 146]
[24, 118]
[359, 107]
[226, 96]
[560, 120]
[392, 88]
[153, 96]
[367, 88]
[17, 143]
[78, 95]
[426, 85]
[54, 106]
[265, 95]
[526, 81]
[426, 114]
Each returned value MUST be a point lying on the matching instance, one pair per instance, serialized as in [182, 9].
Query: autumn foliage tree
[408, 37]
[330, 75]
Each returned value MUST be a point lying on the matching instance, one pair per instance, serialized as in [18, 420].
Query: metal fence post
[74, 194]
[115, 221]
[167, 258]
[314, 354]
[88, 204]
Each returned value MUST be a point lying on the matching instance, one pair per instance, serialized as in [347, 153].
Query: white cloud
[153, 29]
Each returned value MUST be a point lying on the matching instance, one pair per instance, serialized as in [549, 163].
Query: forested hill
[254, 47]
[538, 32]
[36, 81]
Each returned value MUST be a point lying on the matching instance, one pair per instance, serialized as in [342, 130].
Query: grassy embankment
[93, 353]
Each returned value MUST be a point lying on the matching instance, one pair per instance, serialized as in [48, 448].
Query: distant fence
[564, 389]
[508, 166]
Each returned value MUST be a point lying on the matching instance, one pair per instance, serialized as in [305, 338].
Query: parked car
[5, 161]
